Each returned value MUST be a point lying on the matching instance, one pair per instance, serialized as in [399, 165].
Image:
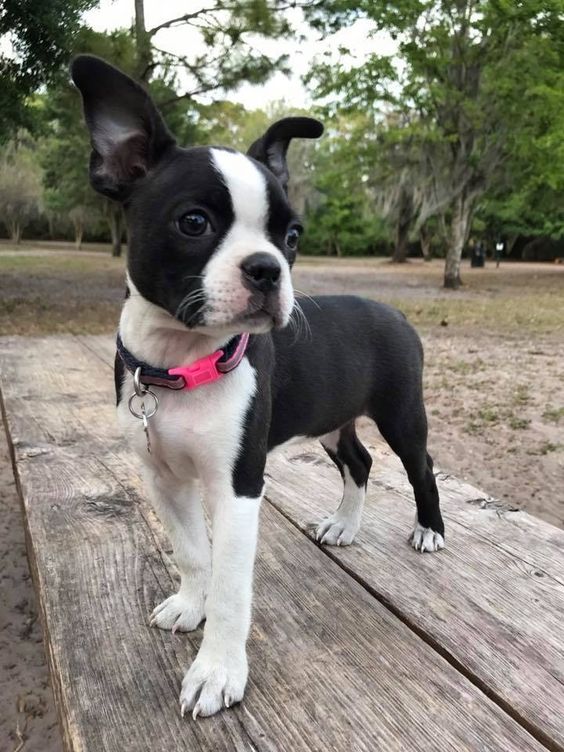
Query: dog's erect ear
[127, 132]
[271, 148]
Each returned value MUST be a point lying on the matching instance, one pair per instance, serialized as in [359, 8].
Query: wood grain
[331, 667]
[493, 600]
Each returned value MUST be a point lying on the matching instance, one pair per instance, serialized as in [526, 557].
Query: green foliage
[474, 86]
[229, 123]
[41, 34]
[341, 217]
[527, 196]
[20, 186]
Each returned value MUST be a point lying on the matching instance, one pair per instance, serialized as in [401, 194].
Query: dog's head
[212, 237]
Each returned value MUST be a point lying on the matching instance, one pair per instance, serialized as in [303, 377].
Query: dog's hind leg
[405, 430]
[180, 510]
[353, 462]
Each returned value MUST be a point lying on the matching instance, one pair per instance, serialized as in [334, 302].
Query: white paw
[425, 539]
[215, 680]
[337, 531]
[180, 613]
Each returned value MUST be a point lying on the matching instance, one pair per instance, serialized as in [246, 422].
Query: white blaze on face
[226, 296]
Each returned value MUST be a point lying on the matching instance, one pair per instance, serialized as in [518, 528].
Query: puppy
[209, 375]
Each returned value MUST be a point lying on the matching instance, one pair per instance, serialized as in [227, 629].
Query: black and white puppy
[212, 240]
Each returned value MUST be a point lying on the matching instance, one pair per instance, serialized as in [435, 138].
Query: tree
[20, 187]
[340, 216]
[462, 66]
[226, 29]
[225, 123]
[41, 36]
[527, 197]
[398, 178]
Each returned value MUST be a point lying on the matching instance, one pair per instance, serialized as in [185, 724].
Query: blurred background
[444, 119]
[438, 187]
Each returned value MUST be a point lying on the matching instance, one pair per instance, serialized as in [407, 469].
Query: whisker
[303, 294]
[193, 276]
[299, 319]
[306, 322]
[196, 296]
[186, 302]
[193, 315]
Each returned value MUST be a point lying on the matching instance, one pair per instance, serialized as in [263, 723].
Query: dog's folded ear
[271, 148]
[127, 132]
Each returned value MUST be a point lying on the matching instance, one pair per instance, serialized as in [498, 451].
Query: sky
[114, 14]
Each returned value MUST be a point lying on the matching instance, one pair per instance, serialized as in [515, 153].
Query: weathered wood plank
[331, 667]
[493, 599]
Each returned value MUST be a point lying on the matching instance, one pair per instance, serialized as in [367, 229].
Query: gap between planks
[428, 639]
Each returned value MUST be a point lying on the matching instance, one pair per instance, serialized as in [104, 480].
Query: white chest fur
[195, 431]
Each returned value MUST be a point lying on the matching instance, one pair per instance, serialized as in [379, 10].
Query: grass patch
[488, 414]
[542, 313]
[465, 367]
[517, 423]
[547, 447]
[62, 293]
[553, 414]
[521, 395]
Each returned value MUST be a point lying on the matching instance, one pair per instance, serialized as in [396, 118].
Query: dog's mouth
[263, 310]
[259, 321]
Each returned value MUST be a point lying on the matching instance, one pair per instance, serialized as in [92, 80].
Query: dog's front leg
[218, 676]
[179, 507]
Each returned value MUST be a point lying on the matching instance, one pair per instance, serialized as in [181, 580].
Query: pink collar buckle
[201, 372]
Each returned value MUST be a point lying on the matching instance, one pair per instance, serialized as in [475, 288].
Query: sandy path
[28, 722]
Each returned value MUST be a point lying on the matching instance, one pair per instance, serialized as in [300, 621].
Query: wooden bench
[371, 647]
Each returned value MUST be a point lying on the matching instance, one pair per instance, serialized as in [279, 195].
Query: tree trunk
[405, 218]
[462, 210]
[15, 231]
[144, 53]
[402, 243]
[425, 240]
[114, 219]
[78, 233]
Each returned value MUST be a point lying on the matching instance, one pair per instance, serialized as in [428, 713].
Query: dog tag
[141, 393]
[146, 426]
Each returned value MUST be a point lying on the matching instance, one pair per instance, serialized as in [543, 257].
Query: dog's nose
[261, 271]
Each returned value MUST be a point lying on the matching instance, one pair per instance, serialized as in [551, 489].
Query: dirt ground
[27, 716]
[494, 385]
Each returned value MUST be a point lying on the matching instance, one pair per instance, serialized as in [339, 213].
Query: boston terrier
[217, 363]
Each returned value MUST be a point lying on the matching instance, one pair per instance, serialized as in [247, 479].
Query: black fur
[361, 358]
[271, 148]
[351, 454]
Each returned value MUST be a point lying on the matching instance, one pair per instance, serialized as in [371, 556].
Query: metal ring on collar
[140, 388]
[149, 413]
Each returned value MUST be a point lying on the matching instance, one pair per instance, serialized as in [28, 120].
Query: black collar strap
[203, 371]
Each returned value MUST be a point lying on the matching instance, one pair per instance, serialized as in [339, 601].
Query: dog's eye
[194, 223]
[292, 237]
